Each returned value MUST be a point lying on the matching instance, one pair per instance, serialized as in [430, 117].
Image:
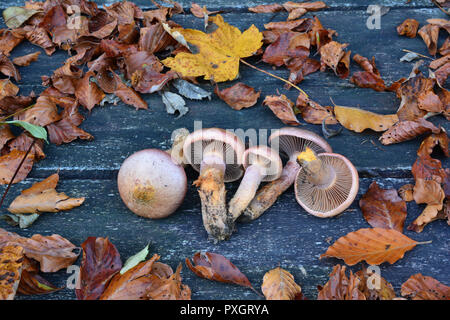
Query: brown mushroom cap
[266, 158]
[336, 195]
[150, 184]
[294, 140]
[218, 140]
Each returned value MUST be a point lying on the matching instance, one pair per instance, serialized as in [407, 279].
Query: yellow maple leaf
[214, 55]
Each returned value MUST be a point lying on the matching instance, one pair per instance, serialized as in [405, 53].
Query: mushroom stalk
[268, 194]
[213, 197]
[246, 191]
[317, 173]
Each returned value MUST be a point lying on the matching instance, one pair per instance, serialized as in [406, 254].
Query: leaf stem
[425, 242]
[16, 113]
[420, 55]
[274, 76]
[16, 172]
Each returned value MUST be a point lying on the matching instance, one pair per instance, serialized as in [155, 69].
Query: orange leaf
[339, 287]
[9, 164]
[278, 284]
[375, 246]
[419, 287]
[282, 107]
[238, 96]
[11, 262]
[358, 120]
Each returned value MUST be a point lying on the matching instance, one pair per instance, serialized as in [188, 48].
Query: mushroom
[150, 184]
[217, 155]
[178, 137]
[261, 163]
[326, 184]
[291, 142]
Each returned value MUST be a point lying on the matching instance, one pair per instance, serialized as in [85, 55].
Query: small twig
[420, 55]
[16, 172]
[274, 76]
[16, 113]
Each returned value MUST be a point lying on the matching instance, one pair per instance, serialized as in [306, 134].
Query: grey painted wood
[284, 235]
[120, 130]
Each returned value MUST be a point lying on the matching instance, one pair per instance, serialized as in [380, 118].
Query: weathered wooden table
[285, 235]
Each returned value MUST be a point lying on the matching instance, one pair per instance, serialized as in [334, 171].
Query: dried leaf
[419, 287]
[383, 208]
[358, 120]
[310, 6]
[339, 287]
[435, 139]
[17, 16]
[301, 67]
[206, 60]
[101, 261]
[407, 130]
[216, 267]
[430, 35]
[266, 8]
[190, 91]
[42, 197]
[7, 88]
[174, 103]
[428, 168]
[370, 77]
[282, 107]
[11, 262]
[279, 284]
[312, 112]
[375, 246]
[88, 93]
[43, 113]
[408, 28]
[373, 286]
[33, 284]
[8, 68]
[134, 260]
[171, 288]
[9, 39]
[53, 252]
[296, 13]
[289, 45]
[406, 192]
[333, 55]
[238, 96]
[9, 164]
[128, 95]
[410, 56]
[442, 74]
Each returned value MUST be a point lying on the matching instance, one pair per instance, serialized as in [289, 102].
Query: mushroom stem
[317, 173]
[267, 195]
[246, 191]
[211, 188]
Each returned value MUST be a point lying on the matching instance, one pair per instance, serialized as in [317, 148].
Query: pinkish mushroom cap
[223, 143]
[150, 184]
[331, 190]
[266, 158]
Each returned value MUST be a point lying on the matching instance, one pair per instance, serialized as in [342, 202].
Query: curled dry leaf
[9, 164]
[238, 96]
[373, 286]
[420, 287]
[7, 88]
[430, 35]
[282, 107]
[314, 113]
[174, 103]
[289, 45]
[370, 77]
[88, 93]
[310, 6]
[442, 74]
[435, 139]
[205, 60]
[301, 67]
[374, 245]
[341, 287]
[9, 39]
[11, 263]
[27, 59]
[52, 252]
[32, 283]
[128, 95]
[383, 208]
[8, 68]
[101, 261]
[171, 287]
[408, 28]
[43, 113]
[42, 197]
[17, 16]
[334, 56]
[428, 168]
[267, 8]
[279, 284]
[406, 192]
[216, 267]
[407, 130]
[359, 120]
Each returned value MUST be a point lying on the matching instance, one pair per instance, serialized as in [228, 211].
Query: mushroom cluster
[152, 182]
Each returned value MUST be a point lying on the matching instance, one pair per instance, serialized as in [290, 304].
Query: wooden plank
[284, 235]
[120, 130]
[243, 5]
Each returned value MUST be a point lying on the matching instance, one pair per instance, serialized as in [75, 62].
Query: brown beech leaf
[374, 287]
[285, 25]
[5, 135]
[88, 93]
[407, 130]
[8, 68]
[341, 287]
[101, 261]
[279, 284]
[435, 139]
[11, 263]
[296, 13]
[9, 39]
[42, 197]
[314, 113]
[27, 59]
[359, 120]
[406, 192]
[442, 73]
[289, 45]
[127, 94]
[370, 77]
[9, 164]
[374, 245]
[420, 287]
[282, 107]
[154, 39]
[33, 284]
[238, 96]
[170, 287]
[52, 252]
[140, 60]
[39, 37]
[266, 8]
[430, 35]
[7, 88]
[42, 113]
[301, 67]
[408, 28]
[435, 64]
[23, 143]
[428, 168]
[135, 284]
[334, 56]
[213, 266]
[310, 6]
[383, 208]
[445, 49]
